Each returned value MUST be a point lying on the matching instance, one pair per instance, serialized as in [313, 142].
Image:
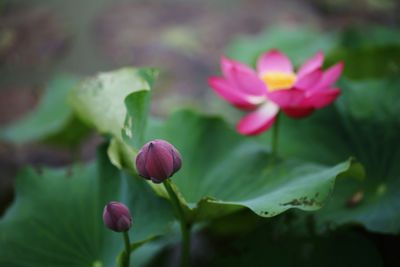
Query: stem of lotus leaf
[185, 226]
[275, 137]
[127, 254]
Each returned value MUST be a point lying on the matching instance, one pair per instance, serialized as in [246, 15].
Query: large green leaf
[364, 123]
[298, 43]
[223, 171]
[50, 119]
[99, 101]
[56, 219]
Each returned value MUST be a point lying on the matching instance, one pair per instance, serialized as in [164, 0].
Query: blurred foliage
[52, 119]
[355, 5]
[371, 53]
[297, 43]
[368, 54]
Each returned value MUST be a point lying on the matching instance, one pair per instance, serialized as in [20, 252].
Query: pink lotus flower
[274, 87]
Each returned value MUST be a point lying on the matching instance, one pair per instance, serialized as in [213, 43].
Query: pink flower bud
[116, 216]
[158, 160]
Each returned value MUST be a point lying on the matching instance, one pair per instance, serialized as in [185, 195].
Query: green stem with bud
[275, 137]
[185, 226]
[127, 253]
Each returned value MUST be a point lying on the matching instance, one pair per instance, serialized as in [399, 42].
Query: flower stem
[185, 226]
[275, 137]
[127, 255]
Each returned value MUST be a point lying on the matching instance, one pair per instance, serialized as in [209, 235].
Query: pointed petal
[229, 93]
[159, 164]
[311, 64]
[287, 98]
[331, 75]
[322, 98]
[242, 77]
[258, 121]
[176, 155]
[140, 164]
[309, 81]
[227, 64]
[274, 61]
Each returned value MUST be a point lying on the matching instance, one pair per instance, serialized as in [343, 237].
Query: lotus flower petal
[274, 61]
[242, 77]
[322, 98]
[309, 81]
[330, 76]
[228, 92]
[311, 65]
[259, 120]
[287, 98]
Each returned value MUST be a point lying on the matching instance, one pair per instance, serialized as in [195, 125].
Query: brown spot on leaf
[355, 199]
[302, 201]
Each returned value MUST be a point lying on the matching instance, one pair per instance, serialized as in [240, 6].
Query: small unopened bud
[116, 216]
[158, 160]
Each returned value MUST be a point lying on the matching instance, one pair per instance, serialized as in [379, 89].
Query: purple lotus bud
[117, 217]
[158, 160]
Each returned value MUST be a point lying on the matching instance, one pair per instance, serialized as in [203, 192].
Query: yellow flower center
[278, 80]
